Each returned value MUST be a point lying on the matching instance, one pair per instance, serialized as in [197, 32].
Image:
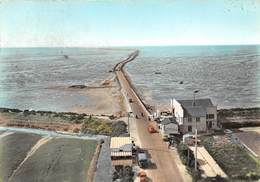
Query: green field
[60, 159]
[232, 158]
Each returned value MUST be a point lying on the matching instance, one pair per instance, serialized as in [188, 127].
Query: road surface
[163, 168]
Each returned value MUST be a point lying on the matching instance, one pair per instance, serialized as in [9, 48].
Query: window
[197, 119]
[189, 128]
[189, 119]
[210, 116]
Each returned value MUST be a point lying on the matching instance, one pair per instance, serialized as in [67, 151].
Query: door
[189, 128]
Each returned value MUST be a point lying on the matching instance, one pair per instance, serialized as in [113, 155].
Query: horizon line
[144, 45]
[125, 46]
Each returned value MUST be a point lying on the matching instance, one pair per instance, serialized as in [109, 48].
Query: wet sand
[107, 98]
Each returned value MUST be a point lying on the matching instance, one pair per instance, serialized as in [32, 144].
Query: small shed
[168, 126]
[121, 147]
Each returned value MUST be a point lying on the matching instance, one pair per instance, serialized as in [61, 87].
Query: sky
[104, 23]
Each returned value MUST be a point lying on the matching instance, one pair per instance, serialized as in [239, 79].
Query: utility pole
[196, 149]
[128, 115]
[196, 131]
[172, 107]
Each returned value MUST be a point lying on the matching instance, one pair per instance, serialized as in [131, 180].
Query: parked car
[142, 160]
[165, 137]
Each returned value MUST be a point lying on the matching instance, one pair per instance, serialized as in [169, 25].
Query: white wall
[178, 111]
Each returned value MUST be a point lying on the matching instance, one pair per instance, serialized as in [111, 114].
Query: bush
[119, 128]
[95, 126]
[233, 159]
[252, 176]
[76, 130]
[189, 163]
[123, 174]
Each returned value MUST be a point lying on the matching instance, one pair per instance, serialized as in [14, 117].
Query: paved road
[163, 168]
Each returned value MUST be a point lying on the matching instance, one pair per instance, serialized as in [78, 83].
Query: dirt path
[5, 134]
[163, 168]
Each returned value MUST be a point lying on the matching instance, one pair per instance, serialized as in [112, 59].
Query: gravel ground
[61, 159]
[13, 149]
[104, 170]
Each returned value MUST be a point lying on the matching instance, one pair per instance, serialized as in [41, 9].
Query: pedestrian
[170, 143]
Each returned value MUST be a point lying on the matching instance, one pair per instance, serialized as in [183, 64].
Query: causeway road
[163, 167]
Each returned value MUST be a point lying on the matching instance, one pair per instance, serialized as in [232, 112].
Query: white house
[188, 114]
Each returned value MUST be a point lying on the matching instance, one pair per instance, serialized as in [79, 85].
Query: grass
[87, 124]
[233, 159]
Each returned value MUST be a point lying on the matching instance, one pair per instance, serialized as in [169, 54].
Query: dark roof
[166, 121]
[197, 110]
[198, 102]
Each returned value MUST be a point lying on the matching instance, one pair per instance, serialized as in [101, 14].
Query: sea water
[229, 75]
[37, 78]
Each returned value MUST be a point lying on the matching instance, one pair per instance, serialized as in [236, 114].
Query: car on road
[142, 160]
[143, 176]
[151, 127]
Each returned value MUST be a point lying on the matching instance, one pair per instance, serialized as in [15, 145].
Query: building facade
[168, 126]
[201, 114]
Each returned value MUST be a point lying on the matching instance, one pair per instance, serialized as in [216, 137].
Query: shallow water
[28, 75]
[229, 75]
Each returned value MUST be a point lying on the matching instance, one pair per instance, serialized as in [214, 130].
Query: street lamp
[194, 92]
[196, 131]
